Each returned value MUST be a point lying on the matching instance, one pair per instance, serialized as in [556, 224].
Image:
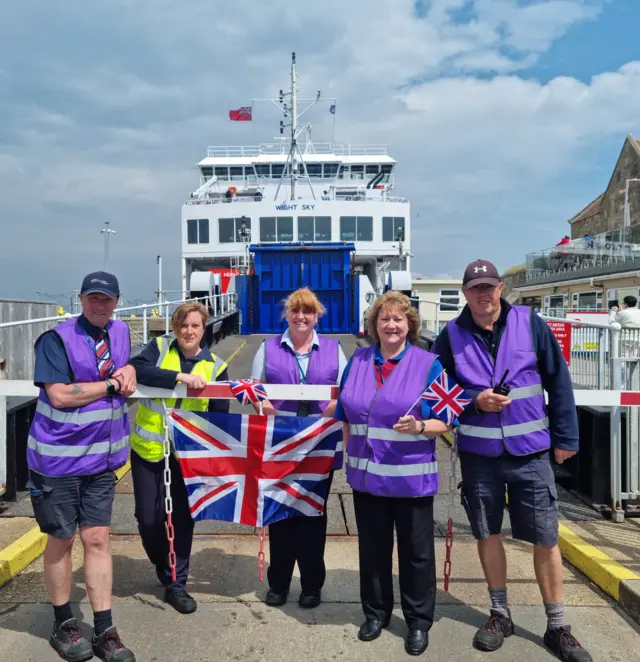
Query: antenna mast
[294, 117]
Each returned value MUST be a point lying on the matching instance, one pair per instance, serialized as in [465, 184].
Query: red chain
[261, 534]
[447, 561]
[170, 538]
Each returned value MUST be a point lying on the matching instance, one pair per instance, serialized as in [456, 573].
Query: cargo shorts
[62, 504]
[531, 487]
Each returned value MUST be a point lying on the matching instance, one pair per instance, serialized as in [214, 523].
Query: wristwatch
[111, 389]
[423, 427]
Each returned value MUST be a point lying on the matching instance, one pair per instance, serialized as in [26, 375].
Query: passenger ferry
[297, 193]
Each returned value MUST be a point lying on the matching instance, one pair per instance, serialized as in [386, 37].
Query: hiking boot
[492, 634]
[180, 600]
[565, 645]
[109, 647]
[67, 640]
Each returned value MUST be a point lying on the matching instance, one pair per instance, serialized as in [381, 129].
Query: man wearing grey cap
[506, 357]
[79, 437]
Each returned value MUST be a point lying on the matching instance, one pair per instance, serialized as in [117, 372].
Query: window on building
[198, 231]
[276, 228]
[229, 229]
[392, 226]
[314, 228]
[449, 300]
[356, 228]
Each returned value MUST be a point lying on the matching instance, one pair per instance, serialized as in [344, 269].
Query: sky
[506, 117]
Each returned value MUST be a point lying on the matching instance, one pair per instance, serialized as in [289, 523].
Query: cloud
[106, 116]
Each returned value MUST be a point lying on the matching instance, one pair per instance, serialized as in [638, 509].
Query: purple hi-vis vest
[380, 460]
[281, 367]
[78, 441]
[523, 426]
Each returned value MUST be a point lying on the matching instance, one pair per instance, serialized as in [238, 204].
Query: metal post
[159, 263]
[106, 231]
[602, 351]
[633, 460]
[166, 318]
[615, 423]
[145, 326]
[3, 431]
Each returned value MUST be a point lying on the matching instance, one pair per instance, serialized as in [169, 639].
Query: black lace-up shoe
[109, 647]
[67, 640]
[493, 633]
[310, 599]
[180, 600]
[565, 645]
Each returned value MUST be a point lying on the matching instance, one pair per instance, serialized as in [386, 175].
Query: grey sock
[499, 601]
[555, 615]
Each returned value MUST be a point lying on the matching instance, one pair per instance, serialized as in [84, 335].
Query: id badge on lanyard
[304, 406]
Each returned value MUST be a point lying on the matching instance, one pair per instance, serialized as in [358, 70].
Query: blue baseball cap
[101, 281]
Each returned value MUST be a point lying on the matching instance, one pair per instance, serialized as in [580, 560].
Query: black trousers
[148, 488]
[300, 539]
[376, 517]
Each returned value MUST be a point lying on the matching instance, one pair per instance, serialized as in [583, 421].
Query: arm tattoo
[77, 389]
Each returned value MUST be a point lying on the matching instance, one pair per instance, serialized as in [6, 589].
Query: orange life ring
[233, 190]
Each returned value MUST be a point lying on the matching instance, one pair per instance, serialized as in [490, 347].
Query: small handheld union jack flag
[444, 395]
[248, 391]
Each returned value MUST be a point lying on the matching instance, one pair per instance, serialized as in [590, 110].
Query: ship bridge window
[373, 169]
[356, 228]
[230, 230]
[207, 172]
[221, 172]
[277, 169]
[198, 231]
[393, 228]
[263, 170]
[330, 170]
[276, 228]
[236, 172]
[357, 172]
[314, 228]
[314, 169]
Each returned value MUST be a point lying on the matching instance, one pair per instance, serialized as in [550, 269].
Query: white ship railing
[271, 149]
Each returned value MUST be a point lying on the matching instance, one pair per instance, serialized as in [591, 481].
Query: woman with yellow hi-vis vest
[164, 363]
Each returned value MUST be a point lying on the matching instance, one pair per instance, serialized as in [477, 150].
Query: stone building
[605, 213]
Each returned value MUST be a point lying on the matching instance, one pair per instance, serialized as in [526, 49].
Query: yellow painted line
[600, 568]
[237, 351]
[19, 554]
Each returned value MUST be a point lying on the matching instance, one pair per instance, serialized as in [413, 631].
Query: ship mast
[294, 144]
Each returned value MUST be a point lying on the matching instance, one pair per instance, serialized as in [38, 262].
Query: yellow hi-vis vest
[147, 436]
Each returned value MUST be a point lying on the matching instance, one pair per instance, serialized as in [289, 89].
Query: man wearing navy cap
[79, 437]
[506, 357]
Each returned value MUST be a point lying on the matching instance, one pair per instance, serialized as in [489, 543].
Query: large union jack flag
[252, 469]
[446, 397]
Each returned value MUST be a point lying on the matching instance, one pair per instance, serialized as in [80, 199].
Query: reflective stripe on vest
[394, 470]
[148, 434]
[80, 418]
[522, 392]
[51, 450]
[507, 430]
[383, 434]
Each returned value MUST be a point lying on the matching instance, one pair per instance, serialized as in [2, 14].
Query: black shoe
[371, 629]
[310, 599]
[492, 634]
[69, 643]
[275, 599]
[109, 647]
[565, 645]
[416, 642]
[180, 600]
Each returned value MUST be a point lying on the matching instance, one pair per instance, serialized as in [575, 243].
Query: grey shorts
[531, 487]
[62, 504]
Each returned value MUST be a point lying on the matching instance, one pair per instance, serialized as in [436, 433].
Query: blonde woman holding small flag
[395, 398]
